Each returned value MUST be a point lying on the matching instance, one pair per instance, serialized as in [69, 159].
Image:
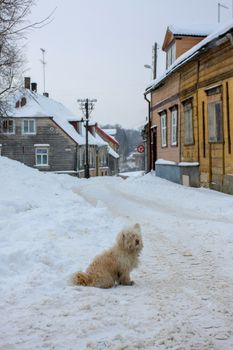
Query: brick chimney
[34, 87]
[27, 83]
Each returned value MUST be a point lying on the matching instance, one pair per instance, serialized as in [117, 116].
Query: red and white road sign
[141, 149]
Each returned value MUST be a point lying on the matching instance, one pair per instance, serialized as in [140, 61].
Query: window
[163, 121]
[81, 157]
[42, 158]
[8, 126]
[102, 156]
[29, 126]
[188, 124]
[215, 121]
[171, 55]
[174, 127]
[91, 157]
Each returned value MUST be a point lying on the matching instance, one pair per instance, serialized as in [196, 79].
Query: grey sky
[98, 48]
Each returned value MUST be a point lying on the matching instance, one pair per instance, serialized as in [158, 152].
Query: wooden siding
[216, 159]
[213, 67]
[184, 43]
[62, 150]
[161, 100]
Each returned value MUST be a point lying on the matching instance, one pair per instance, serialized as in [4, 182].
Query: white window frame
[171, 54]
[7, 120]
[41, 148]
[28, 132]
[102, 157]
[163, 122]
[174, 126]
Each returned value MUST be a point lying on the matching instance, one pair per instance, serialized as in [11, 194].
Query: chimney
[46, 94]
[34, 87]
[27, 82]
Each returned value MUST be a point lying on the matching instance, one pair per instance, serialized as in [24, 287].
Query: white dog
[114, 266]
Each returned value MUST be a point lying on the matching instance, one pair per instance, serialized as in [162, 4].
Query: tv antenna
[44, 63]
[219, 10]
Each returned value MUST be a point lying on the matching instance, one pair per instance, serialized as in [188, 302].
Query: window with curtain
[215, 121]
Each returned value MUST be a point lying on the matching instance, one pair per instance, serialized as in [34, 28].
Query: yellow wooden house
[191, 110]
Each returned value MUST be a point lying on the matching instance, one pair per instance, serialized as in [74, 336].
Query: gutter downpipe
[149, 135]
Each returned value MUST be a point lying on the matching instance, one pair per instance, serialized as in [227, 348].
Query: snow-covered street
[53, 225]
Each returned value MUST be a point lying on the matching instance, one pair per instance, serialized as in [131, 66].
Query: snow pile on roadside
[44, 230]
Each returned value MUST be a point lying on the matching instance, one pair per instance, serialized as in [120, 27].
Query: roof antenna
[219, 8]
[44, 63]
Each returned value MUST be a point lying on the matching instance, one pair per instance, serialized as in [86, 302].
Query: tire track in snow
[176, 281]
[93, 195]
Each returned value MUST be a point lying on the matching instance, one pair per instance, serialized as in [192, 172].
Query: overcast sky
[98, 48]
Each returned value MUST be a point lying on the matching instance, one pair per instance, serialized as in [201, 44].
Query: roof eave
[187, 59]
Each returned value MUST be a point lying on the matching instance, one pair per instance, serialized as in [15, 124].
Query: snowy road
[53, 225]
[188, 296]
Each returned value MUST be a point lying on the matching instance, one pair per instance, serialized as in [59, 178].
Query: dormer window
[171, 54]
[21, 103]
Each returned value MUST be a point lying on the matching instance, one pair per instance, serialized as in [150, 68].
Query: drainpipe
[149, 136]
[76, 159]
[198, 129]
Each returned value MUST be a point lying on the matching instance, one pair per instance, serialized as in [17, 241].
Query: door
[216, 144]
[154, 147]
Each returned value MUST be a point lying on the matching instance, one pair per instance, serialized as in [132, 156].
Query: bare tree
[13, 30]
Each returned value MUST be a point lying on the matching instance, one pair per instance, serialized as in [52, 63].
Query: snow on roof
[193, 30]
[99, 140]
[185, 57]
[38, 106]
[110, 132]
[102, 132]
[113, 153]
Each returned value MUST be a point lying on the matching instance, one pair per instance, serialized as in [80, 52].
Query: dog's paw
[128, 283]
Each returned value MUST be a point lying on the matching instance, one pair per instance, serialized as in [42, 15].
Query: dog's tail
[81, 278]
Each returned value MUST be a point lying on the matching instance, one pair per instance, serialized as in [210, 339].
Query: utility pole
[154, 60]
[44, 63]
[87, 106]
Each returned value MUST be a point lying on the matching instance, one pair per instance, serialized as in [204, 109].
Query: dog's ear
[137, 227]
[121, 239]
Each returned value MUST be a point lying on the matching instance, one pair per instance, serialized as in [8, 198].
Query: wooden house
[42, 133]
[192, 111]
[113, 157]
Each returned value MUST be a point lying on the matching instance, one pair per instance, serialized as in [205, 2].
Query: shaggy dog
[114, 265]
